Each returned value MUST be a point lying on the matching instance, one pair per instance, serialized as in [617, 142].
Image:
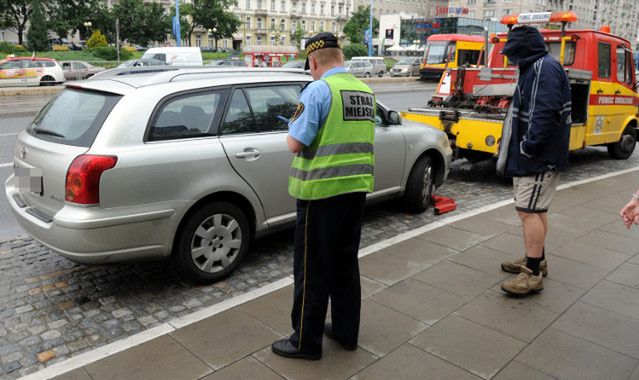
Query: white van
[379, 66]
[177, 56]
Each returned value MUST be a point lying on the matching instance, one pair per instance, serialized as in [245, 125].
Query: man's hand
[293, 145]
[630, 213]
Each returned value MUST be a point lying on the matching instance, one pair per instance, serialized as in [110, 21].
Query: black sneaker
[328, 331]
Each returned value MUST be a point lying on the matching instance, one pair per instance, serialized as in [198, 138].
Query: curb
[17, 91]
[389, 80]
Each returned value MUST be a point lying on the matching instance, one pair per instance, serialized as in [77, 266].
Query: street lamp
[212, 32]
[87, 25]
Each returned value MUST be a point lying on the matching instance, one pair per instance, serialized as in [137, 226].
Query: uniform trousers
[327, 236]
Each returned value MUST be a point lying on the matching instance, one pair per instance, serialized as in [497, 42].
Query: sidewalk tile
[603, 239]
[466, 344]
[634, 260]
[577, 224]
[76, 374]
[556, 296]
[504, 214]
[410, 363]
[383, 329]
[274, 309]
[159, 359]
[336, 363]
[420, 252]
[247, 368]
[210, 339]
[573, 273]
[567, 357]
[615, 331]
[452, 237]
[516, 370]
[588, 254]
[635, 374]
[617, 228]
[564, 200]
[419, 300]
[386, 268]
[369, 287]
[506, 242]
[485, 259]
[627, 274]
[611, 203]
[457, 279]
[482, 226]
[614, 297]
[520, 318]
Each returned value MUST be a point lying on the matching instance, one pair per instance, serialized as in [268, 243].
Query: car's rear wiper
[47, 132]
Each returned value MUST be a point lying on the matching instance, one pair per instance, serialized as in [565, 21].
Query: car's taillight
[83, 178]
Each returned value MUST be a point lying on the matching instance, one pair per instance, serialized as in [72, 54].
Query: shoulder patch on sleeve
[298, 112]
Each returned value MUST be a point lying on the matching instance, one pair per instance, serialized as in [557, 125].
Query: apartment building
[621, 15]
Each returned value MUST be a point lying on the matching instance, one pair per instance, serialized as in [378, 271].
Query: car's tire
[212, 242]
[419, 187]
[623, 148]
[47, 80]
[367, 75]
[88, 76]
[380, 74]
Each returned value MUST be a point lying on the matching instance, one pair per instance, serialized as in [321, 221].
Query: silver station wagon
[190, 164]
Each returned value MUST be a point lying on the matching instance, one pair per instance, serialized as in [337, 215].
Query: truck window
[554, 48]
[624, 66]
[468, 57]
[603, 61]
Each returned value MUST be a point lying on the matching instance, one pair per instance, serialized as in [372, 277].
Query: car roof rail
[185, 72]
[123, 71]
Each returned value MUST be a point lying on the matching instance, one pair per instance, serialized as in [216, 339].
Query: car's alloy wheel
[213, 242]
[419, 187]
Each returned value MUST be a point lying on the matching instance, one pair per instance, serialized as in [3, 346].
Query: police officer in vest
[332, 135]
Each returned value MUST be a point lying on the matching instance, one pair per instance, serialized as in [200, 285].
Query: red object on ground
[443, 205]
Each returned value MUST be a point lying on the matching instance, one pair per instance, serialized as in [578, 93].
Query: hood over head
[525, 45]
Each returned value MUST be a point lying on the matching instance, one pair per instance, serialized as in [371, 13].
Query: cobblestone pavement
[52, 309]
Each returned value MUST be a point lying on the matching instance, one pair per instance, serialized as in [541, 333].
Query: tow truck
[470, 103]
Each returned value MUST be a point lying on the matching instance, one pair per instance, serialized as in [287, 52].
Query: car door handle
[248, 153]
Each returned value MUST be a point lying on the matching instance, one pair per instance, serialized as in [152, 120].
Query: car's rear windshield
[73, 117]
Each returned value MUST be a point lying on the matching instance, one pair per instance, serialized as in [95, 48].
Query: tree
[70, 15]
[15, 14]
[358, 23]
[141, 23]
[210, 14]
[297, 36]
[38, 34]
[97, 40]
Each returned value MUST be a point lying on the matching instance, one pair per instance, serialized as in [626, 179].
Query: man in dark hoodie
[537, 149]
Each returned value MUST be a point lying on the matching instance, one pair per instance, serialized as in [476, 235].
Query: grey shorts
[535, 193]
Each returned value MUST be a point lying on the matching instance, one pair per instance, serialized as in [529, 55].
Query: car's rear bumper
[96, 236]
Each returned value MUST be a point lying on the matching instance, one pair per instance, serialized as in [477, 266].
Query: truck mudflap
[466, 130]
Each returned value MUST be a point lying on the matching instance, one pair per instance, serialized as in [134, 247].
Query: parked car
[27, 71]
[78, 70]
[142, 62]
[379, 66]
[294, 64]
[187, 163]
[406, 67]
[360, 69]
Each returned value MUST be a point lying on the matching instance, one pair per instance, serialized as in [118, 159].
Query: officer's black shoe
[328, 331]
[283, 347]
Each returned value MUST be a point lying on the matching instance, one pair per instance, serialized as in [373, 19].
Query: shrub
[108, 53]
[97, 40]
[355, 50]
[8, 47]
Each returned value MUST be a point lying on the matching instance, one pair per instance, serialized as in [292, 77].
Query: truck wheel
[623, 148]
[212, 243]
[419, 187]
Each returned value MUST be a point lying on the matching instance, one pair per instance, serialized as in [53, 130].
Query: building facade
[419, 8]
[621, 15]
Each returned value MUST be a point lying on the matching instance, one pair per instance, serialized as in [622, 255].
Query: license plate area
[30, 179]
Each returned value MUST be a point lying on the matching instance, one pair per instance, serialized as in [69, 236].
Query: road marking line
[6, 165]
[168, 327]
[9, 134]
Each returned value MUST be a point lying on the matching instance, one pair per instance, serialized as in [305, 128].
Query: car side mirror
[394, 118]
